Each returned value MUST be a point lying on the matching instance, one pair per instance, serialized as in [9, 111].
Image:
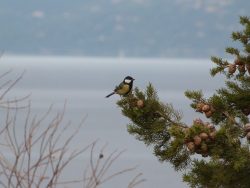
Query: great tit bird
[124, 88]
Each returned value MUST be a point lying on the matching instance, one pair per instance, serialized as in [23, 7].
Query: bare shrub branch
[5, 88]
[97, 173]
[35, 151]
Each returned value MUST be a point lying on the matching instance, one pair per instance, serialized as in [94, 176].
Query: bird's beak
[133, 79]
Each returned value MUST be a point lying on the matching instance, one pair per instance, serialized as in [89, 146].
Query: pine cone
[197, 140]
[199, 106]
[204, 136]
[241, 68]
[206, 108]
[190, 146]
[238, 62]
[248, 68]
[231, 68]
[247, 128]
[140, 103]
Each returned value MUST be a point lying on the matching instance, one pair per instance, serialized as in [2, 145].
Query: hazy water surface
[84, 83]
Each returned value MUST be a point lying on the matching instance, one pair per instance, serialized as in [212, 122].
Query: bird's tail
[110, 94]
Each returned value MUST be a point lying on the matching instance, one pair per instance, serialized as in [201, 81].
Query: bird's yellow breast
[125, 89]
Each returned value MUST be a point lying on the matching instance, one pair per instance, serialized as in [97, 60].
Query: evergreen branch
[195, 95]
[232, 119]
[233, 51]
[244, 20]
[216, 60]
[236, 35]
[160, 126]
[216, 70]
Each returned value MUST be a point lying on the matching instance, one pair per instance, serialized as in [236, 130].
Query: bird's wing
[120, 86]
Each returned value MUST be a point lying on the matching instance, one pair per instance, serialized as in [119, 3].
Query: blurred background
[133, 28]
[80, 50]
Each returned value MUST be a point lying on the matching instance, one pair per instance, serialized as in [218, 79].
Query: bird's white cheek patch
[127, 81]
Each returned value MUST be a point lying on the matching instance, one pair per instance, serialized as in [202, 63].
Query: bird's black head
[128, 80]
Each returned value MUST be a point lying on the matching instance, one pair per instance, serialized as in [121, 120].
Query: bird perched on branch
[124, 88]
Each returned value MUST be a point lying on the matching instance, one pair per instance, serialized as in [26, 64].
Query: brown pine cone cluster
[198, 142]
[240, 66]
[207, 109]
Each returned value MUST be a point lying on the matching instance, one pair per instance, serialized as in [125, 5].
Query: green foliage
[195, 95]
[233, 51]
[221, 65]
[217, 174]
[221, 139]
[152, 123]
